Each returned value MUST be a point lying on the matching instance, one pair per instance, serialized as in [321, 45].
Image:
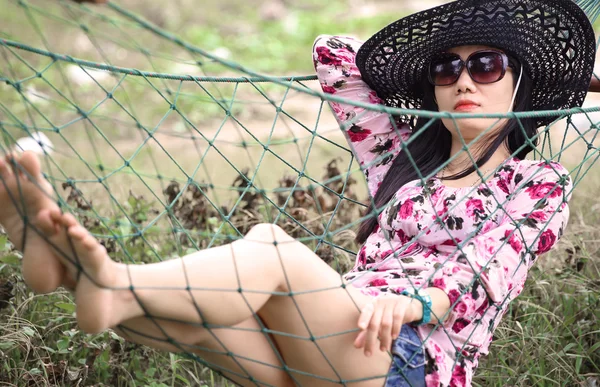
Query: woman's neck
[464, 160]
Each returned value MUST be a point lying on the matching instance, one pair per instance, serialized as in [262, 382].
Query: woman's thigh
[315, 323]
[315, 333]
[243, 353]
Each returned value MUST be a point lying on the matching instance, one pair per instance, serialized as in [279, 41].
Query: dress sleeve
[373, 137]
[492, 267]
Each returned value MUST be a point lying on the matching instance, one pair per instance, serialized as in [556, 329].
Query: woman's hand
[383, 318]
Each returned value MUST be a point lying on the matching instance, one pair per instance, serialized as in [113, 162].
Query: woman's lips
[466, 107]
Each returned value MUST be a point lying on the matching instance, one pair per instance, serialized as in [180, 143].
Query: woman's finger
[360, 339]
[385, 330]
[398, 313]
[372, 343]
[363, 323]
[365, 315]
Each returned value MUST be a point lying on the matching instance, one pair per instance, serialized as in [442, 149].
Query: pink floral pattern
[476, 243]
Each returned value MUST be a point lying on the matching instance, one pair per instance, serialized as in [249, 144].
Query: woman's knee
[267, 232]
[270, 241]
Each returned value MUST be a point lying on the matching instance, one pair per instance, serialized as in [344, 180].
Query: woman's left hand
[383, 318]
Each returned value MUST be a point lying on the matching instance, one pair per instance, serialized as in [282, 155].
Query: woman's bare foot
[52, 242]
[23, 193]
[101, 291]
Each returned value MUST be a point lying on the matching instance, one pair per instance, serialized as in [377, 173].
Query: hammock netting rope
[161, 148]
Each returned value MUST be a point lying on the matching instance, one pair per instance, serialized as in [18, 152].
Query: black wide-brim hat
[553, 39]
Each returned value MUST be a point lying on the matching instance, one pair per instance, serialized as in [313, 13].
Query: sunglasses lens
[486, 67]
[445, 71]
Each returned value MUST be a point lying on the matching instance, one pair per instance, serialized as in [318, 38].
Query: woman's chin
[470, 128]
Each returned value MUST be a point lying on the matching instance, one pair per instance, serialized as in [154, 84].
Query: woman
[425, 296]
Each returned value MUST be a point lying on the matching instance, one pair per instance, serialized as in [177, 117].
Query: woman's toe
[4, 169]
[45, 222]
[30, 163]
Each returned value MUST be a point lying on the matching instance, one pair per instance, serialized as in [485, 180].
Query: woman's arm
[373, 137]
[492, 267]
[440, 304]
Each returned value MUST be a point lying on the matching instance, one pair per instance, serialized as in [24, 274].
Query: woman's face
[486, 98]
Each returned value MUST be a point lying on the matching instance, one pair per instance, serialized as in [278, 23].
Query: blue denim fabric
[408, 360]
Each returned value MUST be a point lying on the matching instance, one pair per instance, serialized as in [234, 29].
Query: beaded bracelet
[423, 296]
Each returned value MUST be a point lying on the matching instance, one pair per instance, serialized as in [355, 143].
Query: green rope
[148, 74]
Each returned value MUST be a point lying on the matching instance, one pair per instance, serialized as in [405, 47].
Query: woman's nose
[465, 82]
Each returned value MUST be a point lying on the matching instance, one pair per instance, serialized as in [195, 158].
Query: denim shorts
[408, 360]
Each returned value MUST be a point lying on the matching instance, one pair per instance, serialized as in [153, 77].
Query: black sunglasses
[484, 66]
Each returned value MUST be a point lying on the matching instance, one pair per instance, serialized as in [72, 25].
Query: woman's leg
[253, 362]
[298, 296]
[21, 199]
[242, 353]
[292, 290]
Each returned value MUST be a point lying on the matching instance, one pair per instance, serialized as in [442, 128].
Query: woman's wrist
[424, 299]
[415, 310]
[440, 304]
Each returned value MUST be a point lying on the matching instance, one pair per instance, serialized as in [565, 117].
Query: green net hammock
[161, 148]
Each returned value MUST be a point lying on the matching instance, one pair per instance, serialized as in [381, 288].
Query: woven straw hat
[553, 39]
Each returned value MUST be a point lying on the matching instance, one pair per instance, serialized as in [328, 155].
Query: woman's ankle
[126, 303]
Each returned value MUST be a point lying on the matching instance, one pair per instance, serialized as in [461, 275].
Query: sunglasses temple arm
[594, 85]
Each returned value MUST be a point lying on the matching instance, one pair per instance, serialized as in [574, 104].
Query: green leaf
[132, 201]
[11, 259]
[62, 344]
[103, 358]
[28, 331]
[3, 240]
[183, 380]
[568, 347]
[139, 375]
[6, 344]
[595, 348]
[66, 306]
[70, 333]
[578, 363]
[124, 227]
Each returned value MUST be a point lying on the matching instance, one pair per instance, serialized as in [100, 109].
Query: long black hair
[433, 146]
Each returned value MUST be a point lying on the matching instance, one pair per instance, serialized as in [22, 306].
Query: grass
[136, 144]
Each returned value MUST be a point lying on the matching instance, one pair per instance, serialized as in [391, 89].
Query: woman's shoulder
[335, 50]
[337, 42]
[529, 166]
[527, 172]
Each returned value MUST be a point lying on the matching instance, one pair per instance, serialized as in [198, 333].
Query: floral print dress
[505, 224]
